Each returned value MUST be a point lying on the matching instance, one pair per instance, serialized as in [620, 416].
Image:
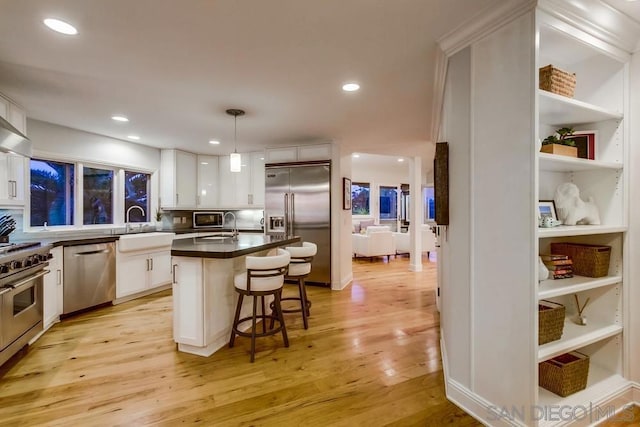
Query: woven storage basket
[550, 321]
[588, 260]
[557, 81]
[564, 374]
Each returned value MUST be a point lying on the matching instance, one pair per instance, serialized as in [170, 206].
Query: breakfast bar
[203, 294]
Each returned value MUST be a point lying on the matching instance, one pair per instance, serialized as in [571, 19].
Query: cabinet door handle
[58, 277]
[177, 199]
[147, 264]
[173, 273]
[14, 188]
[250, 199]
[151, 259]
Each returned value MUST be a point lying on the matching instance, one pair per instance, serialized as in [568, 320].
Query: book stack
[560, 266]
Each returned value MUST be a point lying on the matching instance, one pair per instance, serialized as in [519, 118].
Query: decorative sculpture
[571, 209]
[543, 271]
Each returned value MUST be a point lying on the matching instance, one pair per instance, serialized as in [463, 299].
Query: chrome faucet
[235, 224]
[128, 225]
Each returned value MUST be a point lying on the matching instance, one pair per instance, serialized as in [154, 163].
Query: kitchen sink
[143, 241]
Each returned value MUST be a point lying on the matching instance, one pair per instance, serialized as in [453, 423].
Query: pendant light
[235, 162]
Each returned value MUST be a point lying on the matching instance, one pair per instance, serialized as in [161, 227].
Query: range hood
[12, 140]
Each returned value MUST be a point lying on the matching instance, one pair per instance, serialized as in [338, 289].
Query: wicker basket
[588, 260]
[557, 81]
[550, 321]
[564, 374]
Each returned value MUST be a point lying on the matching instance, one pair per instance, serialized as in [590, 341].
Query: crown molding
[482, 24]
[598, 19]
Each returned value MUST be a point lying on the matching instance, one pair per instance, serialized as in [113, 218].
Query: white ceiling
[174, 67]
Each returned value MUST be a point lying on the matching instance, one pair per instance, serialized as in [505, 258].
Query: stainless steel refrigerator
[298, 202]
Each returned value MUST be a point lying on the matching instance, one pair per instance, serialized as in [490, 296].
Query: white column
[415, 213]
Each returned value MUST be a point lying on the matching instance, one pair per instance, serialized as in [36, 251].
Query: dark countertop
[248, 243]
[88, 237]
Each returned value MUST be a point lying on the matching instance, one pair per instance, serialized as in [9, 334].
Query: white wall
[59, 142]
[454, 257]
[342, 272]
[488, 260]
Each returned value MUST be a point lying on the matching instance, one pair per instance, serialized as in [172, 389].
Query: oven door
[22, 307]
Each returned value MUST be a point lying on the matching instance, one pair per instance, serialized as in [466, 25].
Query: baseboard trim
[343, 283]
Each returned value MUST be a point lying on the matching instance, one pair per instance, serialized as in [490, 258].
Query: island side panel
[207, 311]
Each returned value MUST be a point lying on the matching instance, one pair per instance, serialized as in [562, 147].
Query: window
[360, 198]
[136, 193]
[388, 203]
[52, 193]
[429, 204]
[97, 196]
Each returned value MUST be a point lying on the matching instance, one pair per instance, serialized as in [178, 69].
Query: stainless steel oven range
[22, 267]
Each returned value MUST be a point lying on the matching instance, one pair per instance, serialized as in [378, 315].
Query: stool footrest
[292, 310]
[271, 331]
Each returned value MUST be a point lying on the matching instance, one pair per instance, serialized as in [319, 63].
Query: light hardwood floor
[370, 357]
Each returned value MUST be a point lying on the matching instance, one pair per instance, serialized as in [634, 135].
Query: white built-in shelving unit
[494, 116]
[599, 105]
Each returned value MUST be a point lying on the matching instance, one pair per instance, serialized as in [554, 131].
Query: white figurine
[543, 271]
[571, 209]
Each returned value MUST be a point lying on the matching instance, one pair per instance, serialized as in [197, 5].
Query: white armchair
[378, 241]
[403, 240]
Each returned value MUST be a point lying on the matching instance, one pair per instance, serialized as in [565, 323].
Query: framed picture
[441, 183]
[586, 143]
[547, 208]
[346, 194]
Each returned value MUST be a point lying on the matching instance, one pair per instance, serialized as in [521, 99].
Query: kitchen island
[204, 298]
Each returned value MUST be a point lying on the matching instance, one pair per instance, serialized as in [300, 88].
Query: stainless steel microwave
[208, 219]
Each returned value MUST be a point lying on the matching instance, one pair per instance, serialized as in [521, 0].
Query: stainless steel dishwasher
[89, 276]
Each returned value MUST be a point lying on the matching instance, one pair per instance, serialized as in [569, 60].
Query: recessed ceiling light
[119, 118]
[60, 26]
[401, 160]
[350, 87]
[204, 163]
[356, 155]
[134, 137]
[214, 142]
[261, 158]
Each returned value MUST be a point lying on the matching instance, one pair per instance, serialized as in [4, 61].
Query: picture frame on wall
[547, 208]
[585, 141]
[346, 194]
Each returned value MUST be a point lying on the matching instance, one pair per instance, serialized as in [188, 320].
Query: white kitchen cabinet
[12, 179]
[178, 179]
[208, 181]
[14, 114]
[17, 117]
[301, 153]
[188, 301]
[244, 189]
[257, 178]
[489, 288]
[53, 289]
[141, 273]
[281, 154]
[314, 152]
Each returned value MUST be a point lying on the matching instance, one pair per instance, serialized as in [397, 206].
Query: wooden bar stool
[264, 277]
[299, 268]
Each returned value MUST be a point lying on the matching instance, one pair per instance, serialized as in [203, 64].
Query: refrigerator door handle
[292, 214]
[286, 214]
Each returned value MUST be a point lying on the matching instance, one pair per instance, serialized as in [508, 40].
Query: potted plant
[560, 143]
[158, 219]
